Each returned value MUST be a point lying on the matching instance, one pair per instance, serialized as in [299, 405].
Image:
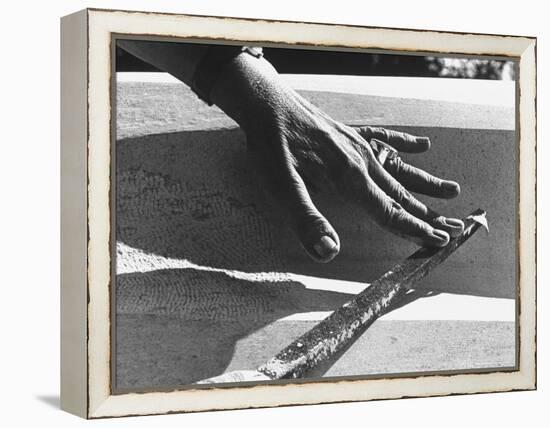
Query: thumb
[315, 233]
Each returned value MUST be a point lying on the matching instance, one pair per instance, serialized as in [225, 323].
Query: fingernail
[424, 141]
[440, 238]
[450, 187]
[455, 222]
[455, 226]
[326, 248]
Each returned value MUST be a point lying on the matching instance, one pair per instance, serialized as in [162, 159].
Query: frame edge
[106, 405]
[74, 213]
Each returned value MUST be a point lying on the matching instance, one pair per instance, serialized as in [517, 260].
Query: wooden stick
[340, 328]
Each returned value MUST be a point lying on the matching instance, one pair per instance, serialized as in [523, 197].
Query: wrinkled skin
[297, 147]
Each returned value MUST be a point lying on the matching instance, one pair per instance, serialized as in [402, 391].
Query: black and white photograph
[298, 214]
[274, 214]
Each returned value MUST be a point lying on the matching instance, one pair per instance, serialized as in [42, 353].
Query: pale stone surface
[155, 285]
[189, 194]
[161, 351]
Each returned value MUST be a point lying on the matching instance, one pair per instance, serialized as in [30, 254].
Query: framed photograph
[265, 213]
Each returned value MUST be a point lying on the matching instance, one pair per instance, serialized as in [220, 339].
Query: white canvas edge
[73, 209]
[101, 25]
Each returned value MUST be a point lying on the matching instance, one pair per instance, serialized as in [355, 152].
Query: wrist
[211, 65]
[246, 88]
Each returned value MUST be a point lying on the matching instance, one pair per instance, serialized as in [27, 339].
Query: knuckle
[348, 165]
[395, 166]
[399, 194]
[307, 219]
[402, 196]
[366, 132]
[321, 131]
[432, 180]
[353, 171]
[393, 214]
[393, 135]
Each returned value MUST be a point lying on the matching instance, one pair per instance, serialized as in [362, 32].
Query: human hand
[297, 147]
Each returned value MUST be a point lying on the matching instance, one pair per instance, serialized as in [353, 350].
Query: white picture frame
[86, 265]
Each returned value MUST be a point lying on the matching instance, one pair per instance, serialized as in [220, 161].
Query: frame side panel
[74, 178]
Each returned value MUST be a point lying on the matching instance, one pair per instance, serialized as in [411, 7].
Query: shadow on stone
[178, 326]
